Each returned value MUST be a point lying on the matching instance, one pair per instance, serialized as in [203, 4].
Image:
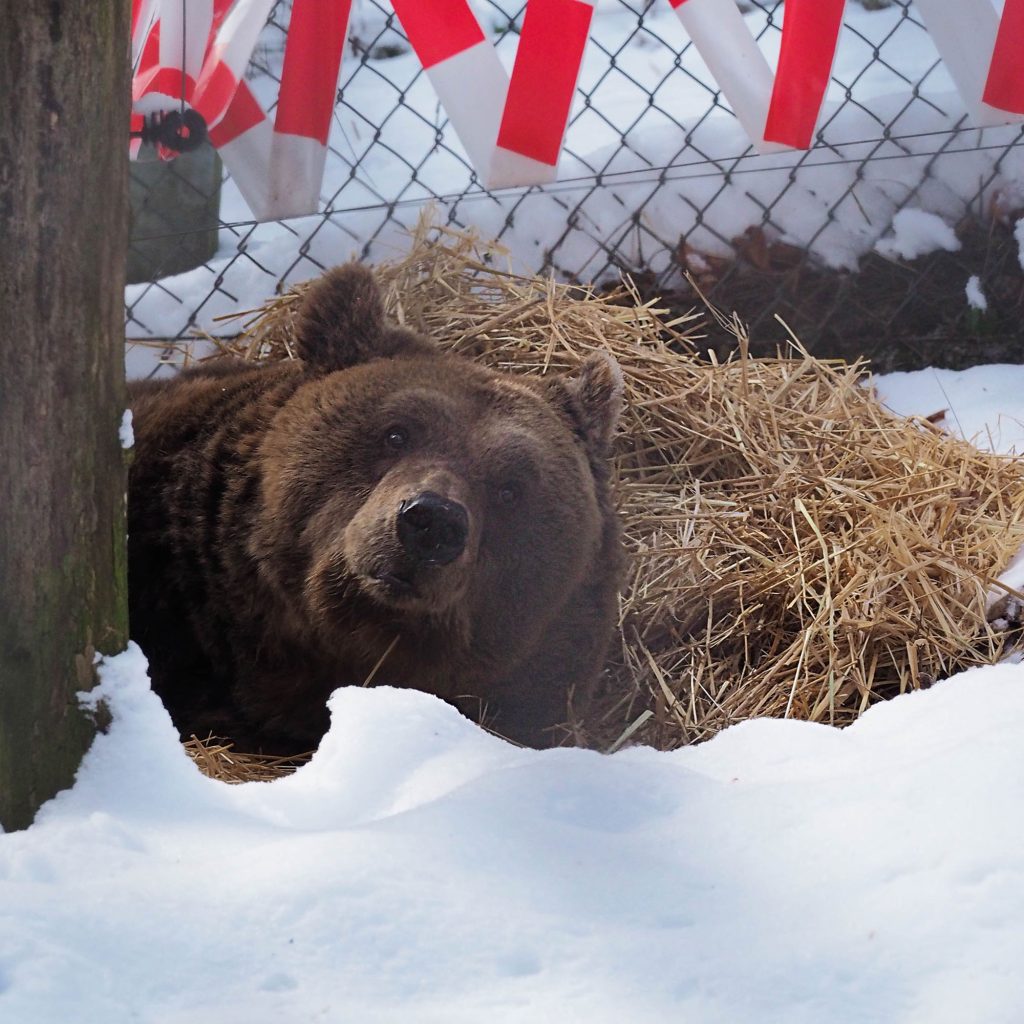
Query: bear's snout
[432, 529]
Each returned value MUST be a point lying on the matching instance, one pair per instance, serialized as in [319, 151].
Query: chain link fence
[656, 180]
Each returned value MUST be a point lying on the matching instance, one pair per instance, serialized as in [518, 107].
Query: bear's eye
[508, 493]
[396, 438]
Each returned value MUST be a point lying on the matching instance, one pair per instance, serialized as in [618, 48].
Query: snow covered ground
[420, 870]
[983, 404]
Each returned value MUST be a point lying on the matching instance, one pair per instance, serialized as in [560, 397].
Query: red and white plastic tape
[512, 127]
[982, 52]
[278, 167]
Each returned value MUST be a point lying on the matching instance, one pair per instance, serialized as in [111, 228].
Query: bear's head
[430, 492]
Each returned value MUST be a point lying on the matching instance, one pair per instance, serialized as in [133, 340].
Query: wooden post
[64, 70]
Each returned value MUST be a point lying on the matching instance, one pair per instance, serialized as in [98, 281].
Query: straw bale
[796, 549]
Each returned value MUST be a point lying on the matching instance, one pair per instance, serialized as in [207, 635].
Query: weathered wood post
[64, 69]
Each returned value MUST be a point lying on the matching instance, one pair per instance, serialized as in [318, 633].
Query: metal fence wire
[656, 180]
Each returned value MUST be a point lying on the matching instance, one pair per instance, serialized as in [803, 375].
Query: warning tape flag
[512, 127]
[277, 166]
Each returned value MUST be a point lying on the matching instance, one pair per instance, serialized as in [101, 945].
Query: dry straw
[797, 550]
[219, 759]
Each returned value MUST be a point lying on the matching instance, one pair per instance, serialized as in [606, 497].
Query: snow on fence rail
[657, 177]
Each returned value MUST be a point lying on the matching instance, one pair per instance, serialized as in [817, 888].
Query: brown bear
[375, 510]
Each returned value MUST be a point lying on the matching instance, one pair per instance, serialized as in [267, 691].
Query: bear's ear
[592, 396]
[341, 323]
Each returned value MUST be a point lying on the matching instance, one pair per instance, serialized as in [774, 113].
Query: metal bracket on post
[177, 131]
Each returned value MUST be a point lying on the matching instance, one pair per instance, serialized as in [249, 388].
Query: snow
[419, 869]
[1018, 234]
[1010, 607]
[983, 404]
[124, 432]
[975, 296]
[916, 233]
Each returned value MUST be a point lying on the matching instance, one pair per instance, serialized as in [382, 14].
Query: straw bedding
[219, 760]
[796, 549]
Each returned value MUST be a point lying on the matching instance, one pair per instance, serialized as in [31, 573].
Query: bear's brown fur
[376, 505]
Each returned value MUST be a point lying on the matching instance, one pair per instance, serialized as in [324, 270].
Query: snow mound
[982, 404]
[418, 869]
[976, 298]
[917, 233]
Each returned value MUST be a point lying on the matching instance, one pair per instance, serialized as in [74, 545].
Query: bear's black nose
[432, 529]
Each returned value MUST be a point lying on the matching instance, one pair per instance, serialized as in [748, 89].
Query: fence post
[63, 212]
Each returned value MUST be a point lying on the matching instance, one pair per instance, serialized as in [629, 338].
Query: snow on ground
[976, 297]
[915, 233]
[421, 870]
[983, 404]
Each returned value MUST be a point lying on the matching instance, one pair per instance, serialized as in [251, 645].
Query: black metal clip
[179, 131]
